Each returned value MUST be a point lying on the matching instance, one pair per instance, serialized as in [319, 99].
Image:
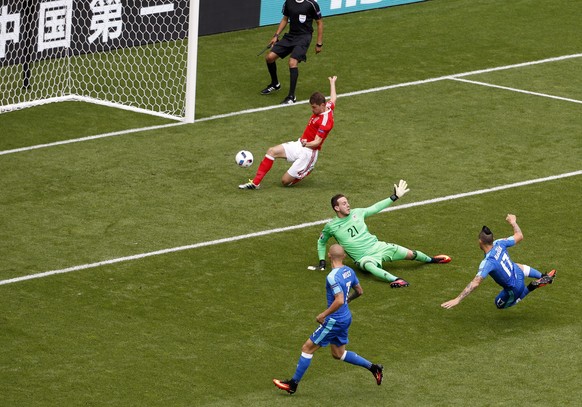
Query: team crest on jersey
[302, 18]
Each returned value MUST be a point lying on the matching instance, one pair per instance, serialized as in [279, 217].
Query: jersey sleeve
[355, 277]
[325, 126]
[334, 284]
[324, 130]
[377, 207]
[316, 11]
[484, 269]
[322, 242]
[507, 242]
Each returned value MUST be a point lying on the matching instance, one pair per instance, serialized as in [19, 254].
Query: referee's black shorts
[294, 45]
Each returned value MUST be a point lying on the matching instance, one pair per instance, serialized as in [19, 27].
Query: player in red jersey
[303, 152]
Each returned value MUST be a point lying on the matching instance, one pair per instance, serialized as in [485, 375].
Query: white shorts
[303, 159]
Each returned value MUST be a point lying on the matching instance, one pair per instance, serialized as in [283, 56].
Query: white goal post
[139, 55]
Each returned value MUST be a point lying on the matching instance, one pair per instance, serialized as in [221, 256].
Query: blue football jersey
[340, 280]
[498, 265]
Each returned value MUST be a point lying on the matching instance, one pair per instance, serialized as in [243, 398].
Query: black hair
[334, 200]
[486, 235]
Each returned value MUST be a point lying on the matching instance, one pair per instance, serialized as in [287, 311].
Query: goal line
[267, 108]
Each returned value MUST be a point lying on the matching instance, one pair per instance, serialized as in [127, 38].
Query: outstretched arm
[332, 91]
[468, 290]
[399, 191]
[322, 244]
[377, 207]
[517, 234]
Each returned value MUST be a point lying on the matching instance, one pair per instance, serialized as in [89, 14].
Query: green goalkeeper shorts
[381, 252]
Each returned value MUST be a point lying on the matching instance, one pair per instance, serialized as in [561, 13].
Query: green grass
[389, 46]
[212, 326]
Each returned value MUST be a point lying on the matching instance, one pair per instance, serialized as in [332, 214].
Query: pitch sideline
[266, 108]
[283, 229]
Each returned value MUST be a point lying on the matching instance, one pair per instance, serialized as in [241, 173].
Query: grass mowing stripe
[283, 229]
[517, 90]
[262, 109]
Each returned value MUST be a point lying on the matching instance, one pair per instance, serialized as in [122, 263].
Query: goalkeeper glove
[400, 190]
[321, 266]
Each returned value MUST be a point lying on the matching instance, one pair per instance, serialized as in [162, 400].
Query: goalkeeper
[350, 230]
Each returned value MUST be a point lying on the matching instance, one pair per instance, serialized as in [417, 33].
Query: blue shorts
[510, 296]
[331, 331]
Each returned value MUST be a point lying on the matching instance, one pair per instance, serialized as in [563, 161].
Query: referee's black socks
[293, 74]
[272, 67]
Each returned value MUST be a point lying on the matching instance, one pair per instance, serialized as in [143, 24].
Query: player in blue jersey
[504, 272]
[334, 323]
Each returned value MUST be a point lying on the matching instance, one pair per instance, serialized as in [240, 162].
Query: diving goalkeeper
[350, 230]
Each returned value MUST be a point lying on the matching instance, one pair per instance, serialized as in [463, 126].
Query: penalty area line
[279, 230]
[527, 92]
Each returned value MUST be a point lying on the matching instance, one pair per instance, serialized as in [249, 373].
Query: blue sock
[355, 359]
[531, 272]
[302, 365]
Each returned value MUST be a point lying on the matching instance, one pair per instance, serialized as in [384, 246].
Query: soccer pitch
[164, 284]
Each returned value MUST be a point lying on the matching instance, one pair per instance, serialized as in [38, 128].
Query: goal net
[137, 55]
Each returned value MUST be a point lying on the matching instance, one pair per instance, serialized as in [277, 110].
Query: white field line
[405, 84]
[77, 140]
[521, 65]
[279, 230]
[517, 90]
[262, 109]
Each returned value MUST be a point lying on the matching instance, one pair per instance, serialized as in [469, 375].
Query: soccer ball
[244, 158]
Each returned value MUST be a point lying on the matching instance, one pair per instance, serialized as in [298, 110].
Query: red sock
[264, 167]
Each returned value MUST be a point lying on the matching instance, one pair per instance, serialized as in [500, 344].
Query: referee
[299, 14]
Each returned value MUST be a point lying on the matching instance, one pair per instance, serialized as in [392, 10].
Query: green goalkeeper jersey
[352, 232]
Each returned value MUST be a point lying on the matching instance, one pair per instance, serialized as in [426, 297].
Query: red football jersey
[319, 125]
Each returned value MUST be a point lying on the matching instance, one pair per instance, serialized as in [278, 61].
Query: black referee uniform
[295, 43]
